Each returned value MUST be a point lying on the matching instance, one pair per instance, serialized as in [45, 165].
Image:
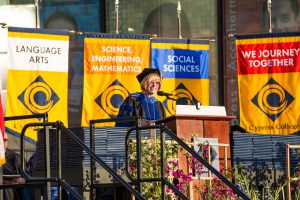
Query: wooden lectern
[186, 126]
[202, 126]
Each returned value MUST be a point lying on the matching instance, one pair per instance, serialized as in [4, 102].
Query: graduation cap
[146, 72]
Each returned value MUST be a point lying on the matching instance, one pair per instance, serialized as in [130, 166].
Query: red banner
[268, 58]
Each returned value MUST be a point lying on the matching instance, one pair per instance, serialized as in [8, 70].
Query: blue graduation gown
[137, 104]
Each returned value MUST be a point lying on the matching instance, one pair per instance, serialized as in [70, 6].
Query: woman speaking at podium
[143, 104]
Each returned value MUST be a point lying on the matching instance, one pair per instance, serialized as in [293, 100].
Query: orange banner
[111, 63]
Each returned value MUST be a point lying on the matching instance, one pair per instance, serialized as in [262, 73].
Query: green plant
[151, 168]
[243, 181]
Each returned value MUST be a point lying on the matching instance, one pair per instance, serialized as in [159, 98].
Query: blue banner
[187, 59]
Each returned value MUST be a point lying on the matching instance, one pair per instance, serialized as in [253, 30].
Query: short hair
[149, 78]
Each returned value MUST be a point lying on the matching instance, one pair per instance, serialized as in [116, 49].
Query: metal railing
[139, 180]
[44, 118]
[59, 180]
[92, 147]
[182, 144]
[94, 158]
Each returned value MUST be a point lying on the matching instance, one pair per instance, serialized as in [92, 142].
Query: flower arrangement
[211, 190]
[151, 169]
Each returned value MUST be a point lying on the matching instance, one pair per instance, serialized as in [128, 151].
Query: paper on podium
[203, 110]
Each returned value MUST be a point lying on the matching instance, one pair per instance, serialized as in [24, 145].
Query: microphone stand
[168, 97]
[196, 105]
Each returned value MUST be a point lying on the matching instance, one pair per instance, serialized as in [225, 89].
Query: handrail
[164, 129]
[162, 179]
[60, 181]
[20, 117]
[44, 116]
[101, 162]
[92, 143]
[205, 163]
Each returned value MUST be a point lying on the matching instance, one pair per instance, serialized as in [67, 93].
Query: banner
[185, 69]
[268, 76]
[37, 80]
[111, 63]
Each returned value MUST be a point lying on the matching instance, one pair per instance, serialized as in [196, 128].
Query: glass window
[198, 20]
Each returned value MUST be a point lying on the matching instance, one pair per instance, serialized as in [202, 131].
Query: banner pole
[179, 19]
[36, 5]
[117, 16]
[269, 2]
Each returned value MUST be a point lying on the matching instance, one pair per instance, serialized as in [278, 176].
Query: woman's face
[152, 86]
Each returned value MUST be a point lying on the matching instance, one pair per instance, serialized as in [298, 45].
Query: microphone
[161, 93]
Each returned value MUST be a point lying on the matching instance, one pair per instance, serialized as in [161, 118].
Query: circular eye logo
[112, 97]
[183, 96]
[38, 97]
[272, 99]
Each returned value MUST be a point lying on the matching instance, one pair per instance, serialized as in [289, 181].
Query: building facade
[215, 20]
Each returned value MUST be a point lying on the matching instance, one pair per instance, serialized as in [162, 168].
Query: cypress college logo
[38, 97]
[112, 97]
[272, 99]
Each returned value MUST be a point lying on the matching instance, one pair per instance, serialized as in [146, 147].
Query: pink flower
[179, 186]
[216, 192]
[292, 188]
[132, 167]
[204, 148]
[194, 160]
[228, 190]
[167, 172]
[168, 189]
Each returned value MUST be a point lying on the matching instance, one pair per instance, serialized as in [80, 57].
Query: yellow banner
[110, 68]
[257, 116]
[268, 75]
[37, 79]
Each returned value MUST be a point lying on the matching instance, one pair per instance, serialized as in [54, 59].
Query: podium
[202, 126]
[206, 122]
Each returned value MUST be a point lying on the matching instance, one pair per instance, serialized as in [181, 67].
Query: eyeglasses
[154, 82]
